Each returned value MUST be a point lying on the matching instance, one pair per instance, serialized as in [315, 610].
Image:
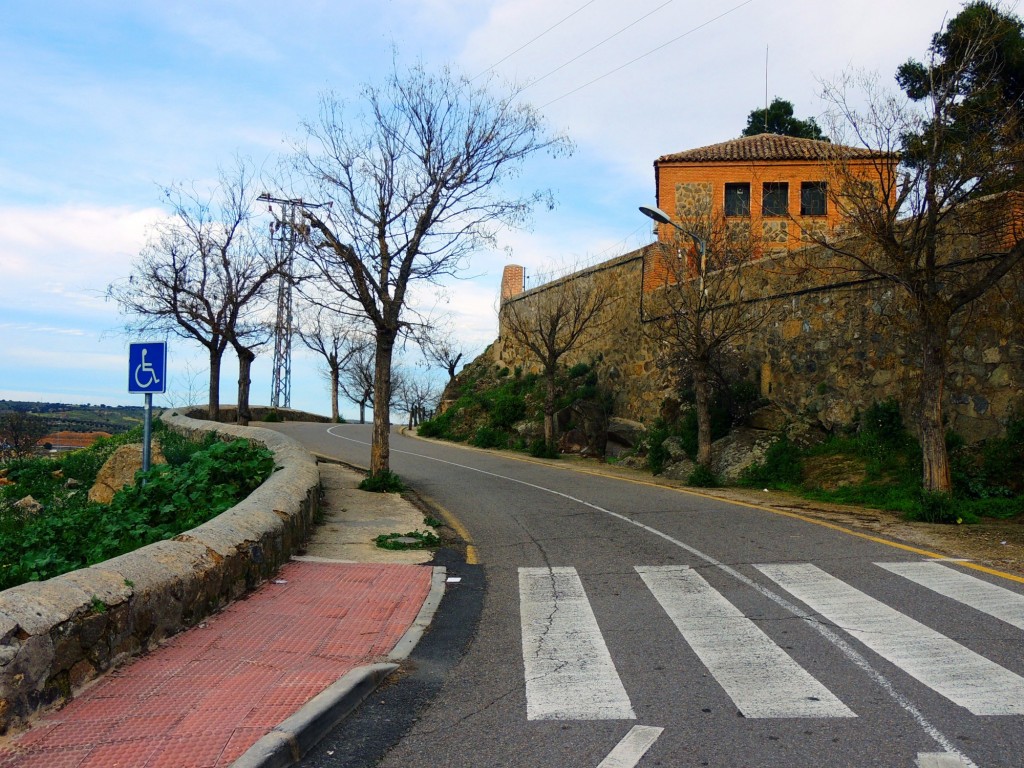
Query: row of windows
[775, 198]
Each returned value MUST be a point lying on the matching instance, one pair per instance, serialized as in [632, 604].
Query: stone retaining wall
[58, 634]
[833, 346]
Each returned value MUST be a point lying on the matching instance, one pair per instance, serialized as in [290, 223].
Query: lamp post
[699, 242]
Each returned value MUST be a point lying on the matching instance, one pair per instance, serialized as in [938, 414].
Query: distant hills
[65, 417]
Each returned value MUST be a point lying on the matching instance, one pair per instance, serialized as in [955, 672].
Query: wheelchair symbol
[145, 369]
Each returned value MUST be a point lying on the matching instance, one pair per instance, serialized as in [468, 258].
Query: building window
[813, 196]
[775, 198]
[737, 199]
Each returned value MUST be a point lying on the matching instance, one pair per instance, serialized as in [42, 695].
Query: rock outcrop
[119, 470]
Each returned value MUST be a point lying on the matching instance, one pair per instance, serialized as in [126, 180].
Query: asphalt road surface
[625, 624]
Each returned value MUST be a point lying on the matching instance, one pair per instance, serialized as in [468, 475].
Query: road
[629, 624]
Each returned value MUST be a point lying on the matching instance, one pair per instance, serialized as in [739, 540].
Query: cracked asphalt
[462, 698]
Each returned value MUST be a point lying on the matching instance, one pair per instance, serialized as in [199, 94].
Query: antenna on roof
[766, 89]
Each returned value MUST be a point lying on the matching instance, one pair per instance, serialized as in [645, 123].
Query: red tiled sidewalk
[206, 696]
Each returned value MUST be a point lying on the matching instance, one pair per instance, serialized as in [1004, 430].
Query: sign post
[147, 373]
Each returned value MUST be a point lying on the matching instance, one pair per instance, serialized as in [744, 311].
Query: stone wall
[58, 634]
[833, 346]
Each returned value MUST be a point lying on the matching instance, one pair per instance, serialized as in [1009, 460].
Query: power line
[597, 45]
[538, 37]
[645, 55]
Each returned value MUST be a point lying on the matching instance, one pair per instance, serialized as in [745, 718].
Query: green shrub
[72, 532]
[940, 508]
[382, 482]
[489, 437]
[782, 467]
[882, 424]
[580, 369]
[702, 477]
[540, 449]
[272, 416]
[506, 409]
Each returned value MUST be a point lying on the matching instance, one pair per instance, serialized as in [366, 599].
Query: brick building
[779, 191]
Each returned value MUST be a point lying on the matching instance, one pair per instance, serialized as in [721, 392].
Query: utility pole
[284, 233]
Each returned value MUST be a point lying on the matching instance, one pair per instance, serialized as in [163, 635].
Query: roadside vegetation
[67, 531]
[877, 463]
[501, 408]
[874, 462]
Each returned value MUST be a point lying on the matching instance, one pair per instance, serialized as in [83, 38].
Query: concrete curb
[288, 743]
[412, 636]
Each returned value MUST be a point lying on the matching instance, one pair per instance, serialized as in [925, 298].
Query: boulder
[28, 506]
[769, 417]
[625, 432]
[680, 470]
[573, 441]
[673, 447]
[738, 450]
[119, 470]
[591, 419]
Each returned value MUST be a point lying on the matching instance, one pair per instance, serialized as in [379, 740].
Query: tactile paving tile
[210, 693]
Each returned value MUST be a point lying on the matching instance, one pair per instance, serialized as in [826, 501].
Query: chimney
[513, 281]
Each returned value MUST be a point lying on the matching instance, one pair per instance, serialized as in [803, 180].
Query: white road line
[759, 676]
[939, 760]
[634, 745]
[958, 673]
[971, 591]
[852, 654]
[569, 671]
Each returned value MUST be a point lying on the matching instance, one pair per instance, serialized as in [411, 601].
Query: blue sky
[102, 103]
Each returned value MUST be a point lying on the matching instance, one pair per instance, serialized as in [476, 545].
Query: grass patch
[420, 540]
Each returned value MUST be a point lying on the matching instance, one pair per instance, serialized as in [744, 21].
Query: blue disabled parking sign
[147, 367]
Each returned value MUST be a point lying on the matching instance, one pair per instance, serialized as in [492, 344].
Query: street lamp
[699, 242]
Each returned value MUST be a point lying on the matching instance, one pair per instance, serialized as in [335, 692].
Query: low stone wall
[58, 634]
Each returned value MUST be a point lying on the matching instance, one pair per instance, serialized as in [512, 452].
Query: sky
[104, 103]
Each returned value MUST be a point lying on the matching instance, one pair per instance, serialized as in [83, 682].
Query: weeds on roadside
[383, 482]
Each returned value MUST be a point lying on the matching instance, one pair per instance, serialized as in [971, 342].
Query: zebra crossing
[570, 673]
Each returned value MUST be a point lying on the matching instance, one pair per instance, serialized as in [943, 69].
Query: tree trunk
[213, 397]
[936, 475]
[380, 443]
[335, 378]
[702, 391]
[245, 358]
[550, 428]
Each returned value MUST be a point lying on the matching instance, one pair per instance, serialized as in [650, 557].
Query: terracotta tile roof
[766, 146]
[67, 439]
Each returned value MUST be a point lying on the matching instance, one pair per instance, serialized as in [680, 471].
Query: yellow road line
[456, 525]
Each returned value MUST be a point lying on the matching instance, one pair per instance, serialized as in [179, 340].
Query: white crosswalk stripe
[958, 673]
[570, 674]
[759, 676]
[569, 671]
[988, 598]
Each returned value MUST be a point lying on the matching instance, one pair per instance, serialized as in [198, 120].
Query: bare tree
[418, 396]
[19, 433]
[415, 180]
[337, 340]
[356, 382]
[922, 222]
[553, 323]
[441, 348]
[700, 309]
[204, 275]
